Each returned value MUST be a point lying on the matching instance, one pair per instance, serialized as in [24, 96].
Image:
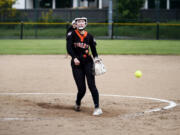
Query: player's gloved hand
[99, 67]
[76, 62]
[97, 60]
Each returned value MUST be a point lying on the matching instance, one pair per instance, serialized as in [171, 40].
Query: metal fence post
[112, 31]
[157, 30]
[157, 4]
[36, 4]
[110, 19]
[67, 25]
[21, 30]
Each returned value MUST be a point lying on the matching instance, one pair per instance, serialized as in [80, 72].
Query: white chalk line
[171, 104]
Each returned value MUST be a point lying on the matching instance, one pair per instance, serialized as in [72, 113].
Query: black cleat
[77, 108]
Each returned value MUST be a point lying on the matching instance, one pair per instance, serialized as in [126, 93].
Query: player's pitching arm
[70, 49]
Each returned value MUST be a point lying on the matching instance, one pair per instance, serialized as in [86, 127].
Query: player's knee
[92, 86]
[82, 92]
[82, 89]
[93, 89]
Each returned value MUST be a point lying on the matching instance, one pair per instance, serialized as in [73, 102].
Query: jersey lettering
[81, 45]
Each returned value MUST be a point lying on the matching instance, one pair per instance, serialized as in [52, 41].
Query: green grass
[139, 47]
[133, 47]
[32, 47]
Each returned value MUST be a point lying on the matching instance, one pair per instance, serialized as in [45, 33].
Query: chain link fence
[99, 30]
[49, 24]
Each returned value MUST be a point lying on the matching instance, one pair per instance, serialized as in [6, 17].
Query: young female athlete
[69, 32]
[78, 44]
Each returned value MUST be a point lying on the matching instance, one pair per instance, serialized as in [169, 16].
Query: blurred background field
[120, 27]
[107, 19]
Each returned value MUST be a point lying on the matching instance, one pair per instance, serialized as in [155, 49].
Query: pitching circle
[171, 104]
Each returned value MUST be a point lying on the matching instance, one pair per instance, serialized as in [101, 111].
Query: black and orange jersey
[69, 31]
[78, 45]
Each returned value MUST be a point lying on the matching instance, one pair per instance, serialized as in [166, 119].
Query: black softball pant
[80, 72]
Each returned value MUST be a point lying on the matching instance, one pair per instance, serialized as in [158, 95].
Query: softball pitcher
[78, 43]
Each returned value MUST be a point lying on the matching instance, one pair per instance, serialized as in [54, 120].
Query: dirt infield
[37, 94]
